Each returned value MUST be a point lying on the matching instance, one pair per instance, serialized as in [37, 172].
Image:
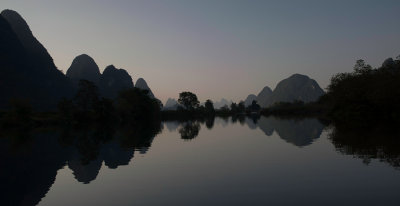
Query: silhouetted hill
[84, 67]
[171, 104]
[12, 60]
[221, 103]
[34, 48]
[295, 88]
[264, 96]
[250, 99]
[26, 69]
[114, 80]
[141, 84]
[39, 59]
[11, 48]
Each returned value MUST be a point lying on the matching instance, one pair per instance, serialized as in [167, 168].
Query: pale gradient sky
[216, 48]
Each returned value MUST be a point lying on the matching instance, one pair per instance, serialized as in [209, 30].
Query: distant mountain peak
[37, 52]
[29, 70]
[264, 96]
[171, 104]
[114, 80]
[302, 76]
[221, 103]
[110, 67]
[296, 87]
[142, 84]
[14, 17]
[84, 67]
[250, 98]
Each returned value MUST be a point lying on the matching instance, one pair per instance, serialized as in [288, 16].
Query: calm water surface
[244, 161]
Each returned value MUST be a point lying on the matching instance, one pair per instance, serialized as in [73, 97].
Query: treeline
[366, 94]
[189, 108]
[131, 106]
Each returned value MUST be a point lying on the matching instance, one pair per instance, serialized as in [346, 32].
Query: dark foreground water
[243, 161]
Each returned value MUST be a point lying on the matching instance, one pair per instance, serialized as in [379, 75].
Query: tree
[87, 96]
[134, 105]
[364, 95]
[188, 100]
[224, 110]
[209, 106]
[241, 107]
[104, 110]
[254, 107]
[234, 108]
[66, 109]
[361, 67]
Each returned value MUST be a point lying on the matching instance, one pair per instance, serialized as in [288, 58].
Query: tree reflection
[381, 143]
[210, 122]
[189, 130]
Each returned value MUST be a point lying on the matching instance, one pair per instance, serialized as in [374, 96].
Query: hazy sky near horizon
[216, 48]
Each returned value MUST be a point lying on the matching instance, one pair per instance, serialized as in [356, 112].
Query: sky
[216, 48]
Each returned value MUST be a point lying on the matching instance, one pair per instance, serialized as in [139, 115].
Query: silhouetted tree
[66, 109]
[209, 106]
[188, 100]
[105, 111]
[87, 96]
[254, 107]
[241, 107]
[134, 105]
[224, 110]
[234, 108]
[361, 67]
[365, 94]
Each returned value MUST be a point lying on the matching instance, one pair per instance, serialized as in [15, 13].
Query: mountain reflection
[299, 132]
[30, 161]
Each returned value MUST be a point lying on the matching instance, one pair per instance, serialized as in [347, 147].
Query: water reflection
[299, 132]
[210, 122]
[189, 130]
[30, 160]
[382, 143]
[28, 170]
[172, 126]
